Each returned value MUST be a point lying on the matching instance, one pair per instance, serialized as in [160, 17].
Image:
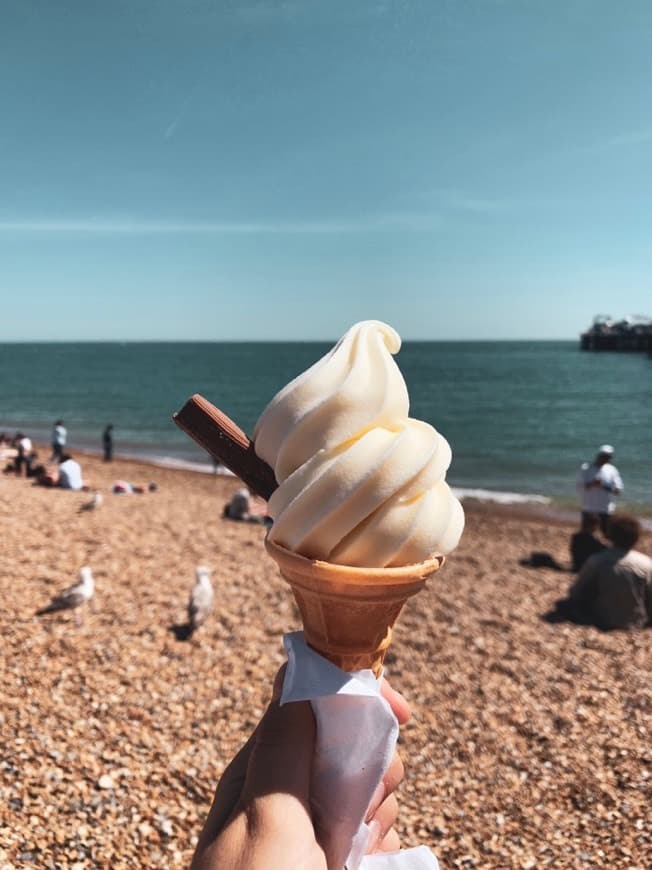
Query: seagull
[95, 502]
[74, 595]
[200, 603]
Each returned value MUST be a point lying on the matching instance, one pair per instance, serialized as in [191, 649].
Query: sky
[178, 170]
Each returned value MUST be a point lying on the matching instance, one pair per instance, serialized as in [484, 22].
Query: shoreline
[186, 455]
[514, 505]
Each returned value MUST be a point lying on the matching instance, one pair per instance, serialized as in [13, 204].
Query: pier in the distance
[632, 333]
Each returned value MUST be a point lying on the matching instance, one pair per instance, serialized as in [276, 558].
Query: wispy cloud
[477, 204]
[171, 129]
[448, 199]
[263, 10]
[144, 227]
[637, 137]
[266, 10]
[452, 202]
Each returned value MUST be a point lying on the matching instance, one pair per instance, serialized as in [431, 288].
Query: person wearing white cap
[597, 484]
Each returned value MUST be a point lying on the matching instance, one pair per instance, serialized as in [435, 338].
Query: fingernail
[376, 800]
[375, 832]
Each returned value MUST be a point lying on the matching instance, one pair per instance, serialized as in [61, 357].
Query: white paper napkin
[356, 738]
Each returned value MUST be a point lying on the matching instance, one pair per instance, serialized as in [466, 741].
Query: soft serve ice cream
[360, 482]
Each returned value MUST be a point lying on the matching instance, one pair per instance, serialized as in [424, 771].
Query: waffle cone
[348, 613]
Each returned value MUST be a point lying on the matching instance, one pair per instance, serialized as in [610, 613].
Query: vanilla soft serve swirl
[360, 482]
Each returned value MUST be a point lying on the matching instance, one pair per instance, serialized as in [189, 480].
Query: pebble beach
[529, 744]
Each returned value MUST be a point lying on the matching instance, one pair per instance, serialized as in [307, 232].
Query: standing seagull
[201, 599]
[94, 503]
[74, 595]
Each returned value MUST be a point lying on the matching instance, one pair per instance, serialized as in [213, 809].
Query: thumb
[281, 759]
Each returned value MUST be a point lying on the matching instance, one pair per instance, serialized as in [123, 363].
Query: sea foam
[500, 497]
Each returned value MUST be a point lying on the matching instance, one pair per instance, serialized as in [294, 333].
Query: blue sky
[272, 170]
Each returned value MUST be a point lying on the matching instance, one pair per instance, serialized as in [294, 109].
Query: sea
[520, 416]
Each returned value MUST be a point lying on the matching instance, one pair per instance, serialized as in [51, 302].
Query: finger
[229, 789]
[390, 781]
[396, 701]
[390, 843]
[281, 760]
[227, 795]
[383, 819]
[394, 774]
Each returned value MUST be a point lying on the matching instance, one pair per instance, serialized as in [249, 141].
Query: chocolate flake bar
[226, 442]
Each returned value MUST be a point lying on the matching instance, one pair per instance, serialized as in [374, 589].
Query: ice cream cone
[348, 613]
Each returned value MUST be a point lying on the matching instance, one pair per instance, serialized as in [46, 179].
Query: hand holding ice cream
[362, 517]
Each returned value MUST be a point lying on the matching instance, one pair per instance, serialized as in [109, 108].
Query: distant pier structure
[632, 333]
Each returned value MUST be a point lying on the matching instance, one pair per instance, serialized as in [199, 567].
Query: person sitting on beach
[67, 476]
[70, 473]
[584, 543]
[47, 476]
[261, 815]
[239, 509]
[614, 588]
[24, 456]
[34, 470]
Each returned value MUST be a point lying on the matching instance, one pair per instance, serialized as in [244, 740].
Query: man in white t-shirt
[597, 484]
[70, 475]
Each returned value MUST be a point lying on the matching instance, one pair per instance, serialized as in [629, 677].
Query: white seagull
[95, 502]
[74, 596]
[201, 599]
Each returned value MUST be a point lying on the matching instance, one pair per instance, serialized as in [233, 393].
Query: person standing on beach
[59, 437]
[597, 483]
[107, 443]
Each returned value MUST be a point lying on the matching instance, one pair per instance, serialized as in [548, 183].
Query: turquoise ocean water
[520, 416]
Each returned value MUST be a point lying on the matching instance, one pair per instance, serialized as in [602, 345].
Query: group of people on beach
[60, 436]
[613, 588]
[23, 460]
[61, 469]
[598, 483]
